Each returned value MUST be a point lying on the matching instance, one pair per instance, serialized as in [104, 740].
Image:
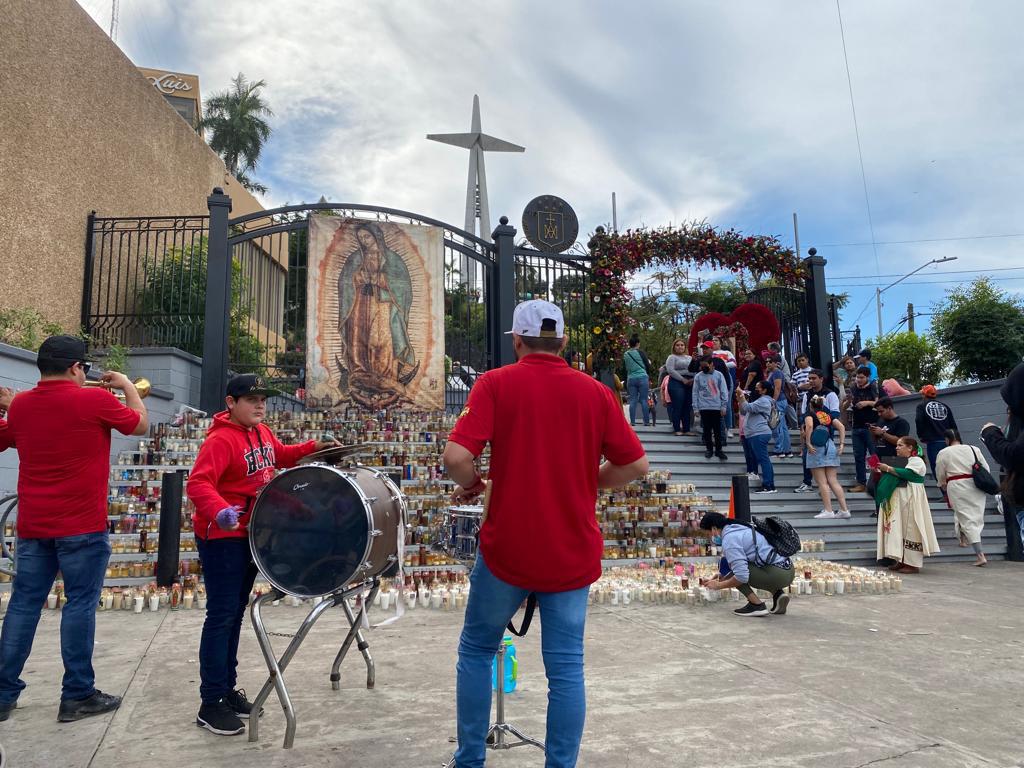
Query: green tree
[656, 326]
[908, 357]
[720, 296]
[235, 122]
[465, 327]
[173, 299]
[981, 329]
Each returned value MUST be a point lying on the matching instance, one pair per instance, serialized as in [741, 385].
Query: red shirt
[232, 467]
[548, 426]
[62, 433]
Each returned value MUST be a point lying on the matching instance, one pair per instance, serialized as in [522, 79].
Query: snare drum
[460, 532]
[316, 529]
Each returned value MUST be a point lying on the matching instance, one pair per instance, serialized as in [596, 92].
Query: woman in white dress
[906, 533]
[953, 472]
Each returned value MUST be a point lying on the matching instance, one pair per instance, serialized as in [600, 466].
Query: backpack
[821, 433]
[773, 417]
[780, 535]
[983, 479]
[792, 393]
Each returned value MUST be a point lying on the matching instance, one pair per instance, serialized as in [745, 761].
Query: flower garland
[615, 255]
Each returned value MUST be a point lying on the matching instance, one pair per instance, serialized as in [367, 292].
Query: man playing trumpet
[61, 430]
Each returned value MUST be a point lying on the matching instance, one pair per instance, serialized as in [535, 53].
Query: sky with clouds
[738, 113]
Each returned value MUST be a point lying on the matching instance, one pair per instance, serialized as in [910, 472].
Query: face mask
[716, 540]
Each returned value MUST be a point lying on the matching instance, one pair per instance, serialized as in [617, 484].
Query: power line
[856, 132]
[935, 272]
[913, 282]
[925, 240]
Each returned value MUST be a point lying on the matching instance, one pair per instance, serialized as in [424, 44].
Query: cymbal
[333, 455]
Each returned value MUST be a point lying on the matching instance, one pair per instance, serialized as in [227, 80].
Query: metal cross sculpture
[477, 142]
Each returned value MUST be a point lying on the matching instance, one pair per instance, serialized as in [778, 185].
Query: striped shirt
[799, 378]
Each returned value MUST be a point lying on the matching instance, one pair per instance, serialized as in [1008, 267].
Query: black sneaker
[721, 455]
[5, 710]
[750, 609]
[240, 705]
[708, 454]
[219, 718]
[77, 709]
[780, 602]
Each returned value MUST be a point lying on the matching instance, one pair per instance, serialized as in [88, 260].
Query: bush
[908, 357]
[26, 328]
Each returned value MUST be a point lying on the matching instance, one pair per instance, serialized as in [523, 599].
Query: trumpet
[142, 386]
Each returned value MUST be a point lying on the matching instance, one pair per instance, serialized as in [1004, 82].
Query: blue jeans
[748, 455]
[82, 560]
[933, 447]
[680, 407]
[637, 387]
[781, 434]
[731, 381]
[759, 447]
[229, 573]
[492, 603]
[862, 445]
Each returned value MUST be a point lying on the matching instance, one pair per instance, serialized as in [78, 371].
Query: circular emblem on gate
[550, 224]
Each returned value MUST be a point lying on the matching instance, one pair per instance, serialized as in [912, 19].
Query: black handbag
[983, 479]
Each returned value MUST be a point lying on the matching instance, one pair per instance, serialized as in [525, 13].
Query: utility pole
[910, 317]
[615, 217]
[796, 235]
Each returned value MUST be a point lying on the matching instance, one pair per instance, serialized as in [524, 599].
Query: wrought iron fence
[145, 281]
[564, 280]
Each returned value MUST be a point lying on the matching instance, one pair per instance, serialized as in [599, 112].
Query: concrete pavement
[930, 677]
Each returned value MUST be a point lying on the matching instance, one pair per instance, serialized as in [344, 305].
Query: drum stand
[277, 666]
[497, 733]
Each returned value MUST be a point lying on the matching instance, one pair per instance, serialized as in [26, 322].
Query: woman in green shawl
[905, 530]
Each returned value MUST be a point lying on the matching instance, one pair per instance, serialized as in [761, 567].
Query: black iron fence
[564, 280]
[145, 281]
[233, 291]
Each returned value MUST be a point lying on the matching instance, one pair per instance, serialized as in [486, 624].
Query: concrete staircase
[852, 540]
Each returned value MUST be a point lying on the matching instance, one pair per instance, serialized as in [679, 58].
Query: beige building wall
[82, 129]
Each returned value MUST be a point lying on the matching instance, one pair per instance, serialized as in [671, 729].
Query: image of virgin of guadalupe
[376, 360]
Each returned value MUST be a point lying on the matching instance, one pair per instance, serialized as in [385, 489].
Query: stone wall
[81, 129]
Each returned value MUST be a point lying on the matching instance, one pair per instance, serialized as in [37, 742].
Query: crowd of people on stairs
[761, 398]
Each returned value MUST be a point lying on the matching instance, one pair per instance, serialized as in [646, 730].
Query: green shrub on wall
[26, 328]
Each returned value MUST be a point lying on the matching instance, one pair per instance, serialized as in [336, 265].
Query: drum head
[309, 531]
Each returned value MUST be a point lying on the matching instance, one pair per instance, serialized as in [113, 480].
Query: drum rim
[369, 527]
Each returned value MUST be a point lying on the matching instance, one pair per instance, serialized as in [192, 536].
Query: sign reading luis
[550, 224]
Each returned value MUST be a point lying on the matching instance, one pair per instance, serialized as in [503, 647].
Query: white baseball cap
[538, 318]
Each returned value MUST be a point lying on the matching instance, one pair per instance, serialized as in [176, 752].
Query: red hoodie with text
[232, 467]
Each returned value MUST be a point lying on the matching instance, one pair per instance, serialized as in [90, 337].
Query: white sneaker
[753, 476]
[843, 514]
[826, 515]
[803, 488]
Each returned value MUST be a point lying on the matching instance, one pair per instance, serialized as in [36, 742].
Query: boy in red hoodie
[237, 459]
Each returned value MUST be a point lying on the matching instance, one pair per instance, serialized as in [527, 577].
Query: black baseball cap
[63, 349]
[249, 384]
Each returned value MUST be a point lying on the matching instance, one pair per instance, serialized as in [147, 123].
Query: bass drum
[316, 529]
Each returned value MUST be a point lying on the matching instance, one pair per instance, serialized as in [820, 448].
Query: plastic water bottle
[511, 667]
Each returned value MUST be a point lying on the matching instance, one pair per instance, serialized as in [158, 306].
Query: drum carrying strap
[531, 606]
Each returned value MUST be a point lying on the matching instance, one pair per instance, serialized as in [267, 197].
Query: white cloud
[735, 112]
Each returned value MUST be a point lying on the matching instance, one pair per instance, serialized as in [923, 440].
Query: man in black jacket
[932, 420]
[1008, 450]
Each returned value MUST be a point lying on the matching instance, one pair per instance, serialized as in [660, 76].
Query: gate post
[503, 300]
[818, 314]
[90, 262]
[218, 304]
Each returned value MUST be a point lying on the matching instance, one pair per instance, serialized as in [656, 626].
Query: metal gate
[233, 290]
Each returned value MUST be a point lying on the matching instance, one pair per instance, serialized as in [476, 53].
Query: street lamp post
[880, 291]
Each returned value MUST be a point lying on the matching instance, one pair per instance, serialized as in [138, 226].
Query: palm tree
[237, 129]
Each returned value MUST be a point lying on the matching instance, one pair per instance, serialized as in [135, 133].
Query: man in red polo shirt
[548, 426]
[62, 433]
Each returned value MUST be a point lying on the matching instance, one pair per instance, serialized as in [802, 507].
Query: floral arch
[615, 255]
